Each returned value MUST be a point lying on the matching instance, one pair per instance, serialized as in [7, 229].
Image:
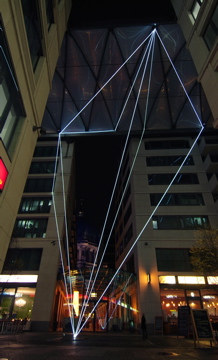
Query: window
[33, 29]
[165, 179]
[23, 260]
[173, 260]
[49, 12]
[30, 228]
[211, 31]
[126, 196]
[166, 144]
[168, 160]
[127, 214]
[179, 222]
[42, 167]
[196, 8]
[11, 106]
[35, 205]
[177, 199]
[38, 185]
[128, 235]
[45, 151]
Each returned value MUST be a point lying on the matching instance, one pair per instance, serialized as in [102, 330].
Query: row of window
[180, 179]
[211, 31]
[23, 259]
[168, 160]
[177, 199]
[32, 205]
[179, 222]
[30, 228]
[126, 239]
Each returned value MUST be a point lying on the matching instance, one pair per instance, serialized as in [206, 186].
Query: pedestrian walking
[144, 327]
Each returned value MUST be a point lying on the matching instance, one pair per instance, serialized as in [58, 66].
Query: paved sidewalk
[98, 346]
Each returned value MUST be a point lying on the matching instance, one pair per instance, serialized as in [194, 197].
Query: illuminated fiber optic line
[108, 315]
[149, 83]
[147, 222]
[193, 108]
[133, 163]
[155, 209]
[151, 43]
[57, 227]
[96, 94]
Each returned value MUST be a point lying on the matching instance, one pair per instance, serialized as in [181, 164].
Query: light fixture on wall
[40, 128]
[149, 278]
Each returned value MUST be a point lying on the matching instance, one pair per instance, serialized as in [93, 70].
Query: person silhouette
[144, 327]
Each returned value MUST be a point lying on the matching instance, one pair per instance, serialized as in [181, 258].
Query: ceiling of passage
[96, 47]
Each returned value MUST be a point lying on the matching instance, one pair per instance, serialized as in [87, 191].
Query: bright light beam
[96, 94]
[87, 300]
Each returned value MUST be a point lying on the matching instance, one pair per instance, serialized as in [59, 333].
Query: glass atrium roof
[83, 100]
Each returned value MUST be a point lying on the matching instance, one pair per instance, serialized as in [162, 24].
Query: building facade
[163, 229]
[37, 252]
[198, 20]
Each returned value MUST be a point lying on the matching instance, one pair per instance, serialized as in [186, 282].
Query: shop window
[211, 31]
[169, 160]
[42, 167]
[22, 259]
[196, 6]
[33, 29]
[173, 260]
[38, 185]
[45, 151]
[178, 222]
[17, 303]
[35, 205]
[191, 280]
[177, 199]
[30, 228]
[11, 106]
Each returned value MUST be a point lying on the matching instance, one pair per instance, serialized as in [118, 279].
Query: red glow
[3, 175]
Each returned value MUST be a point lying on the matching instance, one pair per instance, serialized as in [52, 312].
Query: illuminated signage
[18, 278]
[3, 174]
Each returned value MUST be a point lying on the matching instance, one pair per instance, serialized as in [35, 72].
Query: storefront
[17, 293]
[197, 292]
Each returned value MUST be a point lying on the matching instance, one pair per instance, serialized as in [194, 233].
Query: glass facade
[179, 222]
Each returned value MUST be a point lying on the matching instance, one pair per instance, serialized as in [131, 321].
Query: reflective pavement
[98, 346]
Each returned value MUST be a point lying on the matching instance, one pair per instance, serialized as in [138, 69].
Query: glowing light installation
[89, 289]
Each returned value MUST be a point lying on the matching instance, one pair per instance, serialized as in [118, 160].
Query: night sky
[97, 161]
